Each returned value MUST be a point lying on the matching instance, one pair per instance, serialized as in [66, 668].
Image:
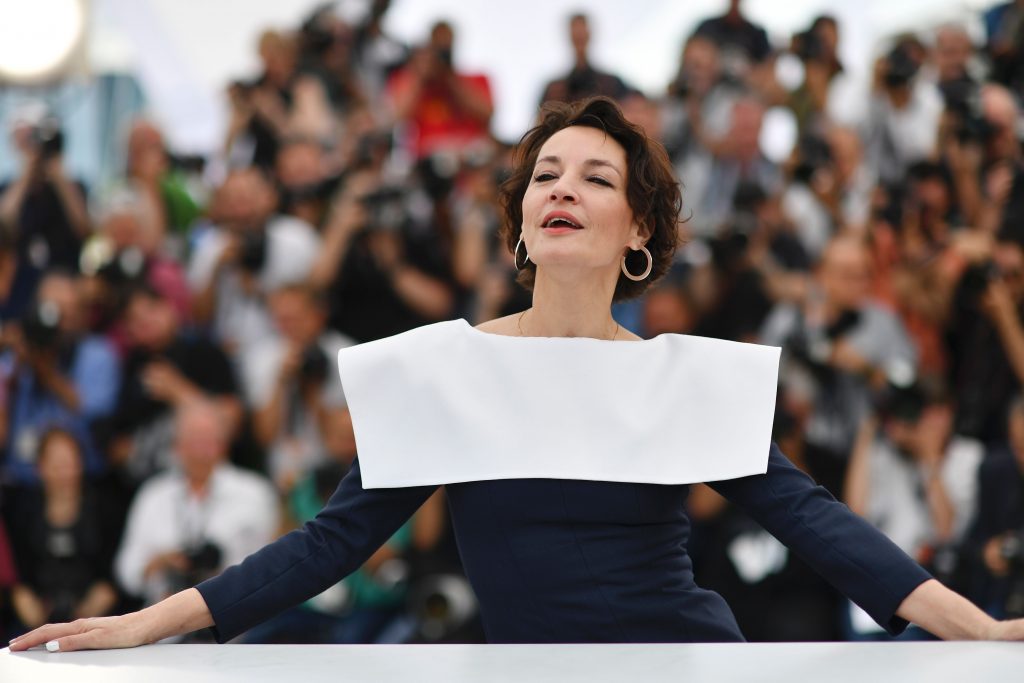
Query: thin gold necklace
[519, 324]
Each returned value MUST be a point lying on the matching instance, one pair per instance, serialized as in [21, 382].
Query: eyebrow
[589, 162]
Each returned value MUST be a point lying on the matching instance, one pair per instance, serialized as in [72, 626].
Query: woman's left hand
[1011, 629]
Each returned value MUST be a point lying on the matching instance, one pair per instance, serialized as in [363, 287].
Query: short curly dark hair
[652, 189]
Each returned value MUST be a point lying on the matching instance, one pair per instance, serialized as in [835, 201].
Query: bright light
[38, 36]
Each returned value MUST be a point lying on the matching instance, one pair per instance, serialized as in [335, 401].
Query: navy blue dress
[556, 560]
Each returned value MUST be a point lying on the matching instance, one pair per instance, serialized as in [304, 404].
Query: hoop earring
[515, 254]
[647, 271]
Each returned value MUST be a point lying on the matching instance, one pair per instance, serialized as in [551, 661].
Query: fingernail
[52, 646]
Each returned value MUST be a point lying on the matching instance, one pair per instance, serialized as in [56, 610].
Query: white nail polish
[52, 646]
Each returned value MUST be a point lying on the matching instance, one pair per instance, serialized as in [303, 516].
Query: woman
[64, 537]
[558, 559]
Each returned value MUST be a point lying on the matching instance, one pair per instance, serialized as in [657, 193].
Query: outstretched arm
[353, 524]
[855, 557]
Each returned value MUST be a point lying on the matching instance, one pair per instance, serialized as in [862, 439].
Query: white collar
[447, 403]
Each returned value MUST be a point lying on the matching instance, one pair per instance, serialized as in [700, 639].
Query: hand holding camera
[164, 382]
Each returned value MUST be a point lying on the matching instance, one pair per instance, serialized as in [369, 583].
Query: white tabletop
[839, 662]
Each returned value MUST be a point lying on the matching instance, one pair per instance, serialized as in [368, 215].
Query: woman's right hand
[98, 633]
[181, 613]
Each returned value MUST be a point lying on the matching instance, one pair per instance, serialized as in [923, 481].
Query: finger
[81, 641]
[42, 635]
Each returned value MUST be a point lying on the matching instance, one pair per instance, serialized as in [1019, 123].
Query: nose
[563, 190]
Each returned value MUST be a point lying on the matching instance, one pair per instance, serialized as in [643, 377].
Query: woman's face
[61, 463]
[575, 212]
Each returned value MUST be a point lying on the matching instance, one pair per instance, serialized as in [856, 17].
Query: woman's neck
[572, 305]
[62, 506]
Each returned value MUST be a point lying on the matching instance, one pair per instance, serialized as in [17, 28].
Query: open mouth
[561, 221]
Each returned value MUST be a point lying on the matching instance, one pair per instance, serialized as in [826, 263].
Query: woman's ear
[639, 234]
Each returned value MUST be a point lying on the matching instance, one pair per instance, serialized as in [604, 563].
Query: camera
[444, 56]
[48, 138]
[975, 280]
[314, 366]
[808, 47]
[293, 195]
[813, 346]
[963, 100]
[204, 559]
[444, 603]
[1012, 550]
[385, 207]
[253, 254]
[900, 67]
[902, 398]
[813, 155]
[125, 267]
[41, 325]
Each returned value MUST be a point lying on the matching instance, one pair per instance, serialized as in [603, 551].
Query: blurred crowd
[169, 396]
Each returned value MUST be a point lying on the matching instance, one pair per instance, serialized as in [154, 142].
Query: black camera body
[41, 325]
[963, 100]
[813, 346]
[385, 208]
[127, 266]
[48, 138]
[314, 367]
[204, 559]
[900, 67]
[976, 279]
[253, 254]
[1012, 550]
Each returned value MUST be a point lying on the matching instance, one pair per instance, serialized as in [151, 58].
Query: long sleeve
[301, 564]
[846, 550]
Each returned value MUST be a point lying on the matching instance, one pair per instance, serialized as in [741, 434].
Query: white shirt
[295, 452]
[895, 502]
[240, 318]
[239, 514]
[897, 508]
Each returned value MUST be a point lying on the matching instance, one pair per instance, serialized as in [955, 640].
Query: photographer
[293, 388]
[583, 80]
[385, 262]
[303, 183]
[149, 170]
[838, 345]
[125, 251]
[45, 208]
[64, 534]
[980, 144]
[996, 540]
[165, 369]
[250, 251]
[904, 113]
[281, 103]
[61, 374]
[446, 109]
[985, 339]
[817, 48]
[187, 524]
[915, 480]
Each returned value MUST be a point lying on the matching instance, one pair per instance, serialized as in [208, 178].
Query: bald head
[201, 438]
[953, 49]
[844, 272]
[1001, 112]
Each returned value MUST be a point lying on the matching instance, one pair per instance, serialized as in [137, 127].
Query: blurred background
[201, 203]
